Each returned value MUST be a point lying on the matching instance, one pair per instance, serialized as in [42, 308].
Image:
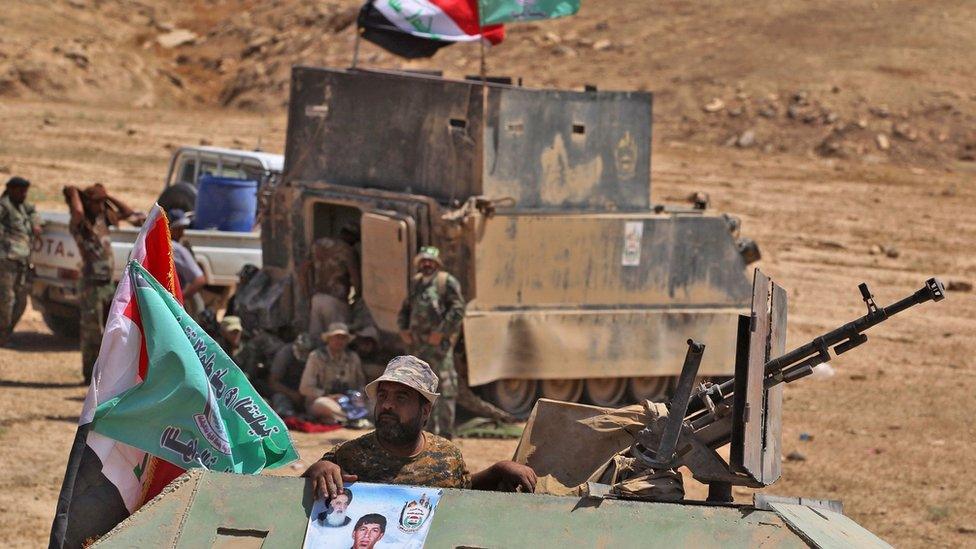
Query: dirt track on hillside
[892, 434]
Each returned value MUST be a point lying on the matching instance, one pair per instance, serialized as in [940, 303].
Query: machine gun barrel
[799, 362]
[709, 416]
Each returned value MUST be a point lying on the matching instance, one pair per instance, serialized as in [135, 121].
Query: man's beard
[335, 518]
[390, 430]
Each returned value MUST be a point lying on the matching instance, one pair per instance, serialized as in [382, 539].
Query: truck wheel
[515, 396]
[566, 390]
[181, 195]
[607, 391]
[656, 389]
[62, 326]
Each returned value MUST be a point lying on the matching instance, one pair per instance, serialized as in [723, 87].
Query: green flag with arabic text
[492, 12]
[195, 408]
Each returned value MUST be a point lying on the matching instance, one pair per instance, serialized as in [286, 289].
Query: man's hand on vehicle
[406, 336]
[327, 479]
[506, 476]
[515, 477]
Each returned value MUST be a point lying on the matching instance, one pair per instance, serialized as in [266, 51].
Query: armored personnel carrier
[578, 287]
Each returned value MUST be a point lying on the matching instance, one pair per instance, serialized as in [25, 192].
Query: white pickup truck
[221, 254]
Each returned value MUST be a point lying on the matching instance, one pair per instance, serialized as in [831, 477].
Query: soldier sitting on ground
[367, 346]
[329, 374]
[19, 227]
[399, 451]
[230, 336]
[285, 376]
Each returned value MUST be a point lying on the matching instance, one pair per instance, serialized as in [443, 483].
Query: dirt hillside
[872, 80]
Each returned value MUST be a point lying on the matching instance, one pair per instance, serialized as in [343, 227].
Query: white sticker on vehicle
[633, 233]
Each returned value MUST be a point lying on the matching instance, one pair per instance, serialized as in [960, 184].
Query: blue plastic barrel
[226, 204]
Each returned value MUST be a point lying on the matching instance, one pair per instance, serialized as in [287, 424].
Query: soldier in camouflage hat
[19, 227]
[409, 371]
[430, 322]
[399, 451]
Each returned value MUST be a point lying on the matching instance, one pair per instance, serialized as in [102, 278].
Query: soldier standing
[92, 212]
[19, 226]
[430, 321]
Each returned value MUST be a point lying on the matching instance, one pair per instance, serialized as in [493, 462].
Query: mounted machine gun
[746, 410]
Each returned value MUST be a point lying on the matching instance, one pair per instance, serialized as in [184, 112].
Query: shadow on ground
[38, 384]
[40, 342]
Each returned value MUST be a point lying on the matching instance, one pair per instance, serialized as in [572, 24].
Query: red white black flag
[105, 480]
[418, 28]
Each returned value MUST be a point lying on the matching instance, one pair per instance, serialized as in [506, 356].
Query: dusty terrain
[841, 134]
[891, 433]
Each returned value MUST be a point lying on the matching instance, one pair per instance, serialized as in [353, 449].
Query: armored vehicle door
[389, 240]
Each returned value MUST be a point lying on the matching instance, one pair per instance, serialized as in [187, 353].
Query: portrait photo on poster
[364, 516]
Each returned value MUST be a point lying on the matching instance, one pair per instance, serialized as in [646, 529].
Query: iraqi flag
[195, 407]
[418, 28]
[107, 480]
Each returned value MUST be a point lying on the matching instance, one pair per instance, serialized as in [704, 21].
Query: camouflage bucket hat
[428, 252]
[410, 371]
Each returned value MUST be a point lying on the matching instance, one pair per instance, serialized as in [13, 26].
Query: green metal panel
[216, 510]
[275, 507]
[484, 519]
[202, 509]
[825, 528]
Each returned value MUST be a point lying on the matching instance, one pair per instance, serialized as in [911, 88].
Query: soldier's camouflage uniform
[17, 224]
[430, 309]
[335, 270]
[439, 464]
[95, 288]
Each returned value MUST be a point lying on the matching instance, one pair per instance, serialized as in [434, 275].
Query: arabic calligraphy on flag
[195, 407]
[494, 12]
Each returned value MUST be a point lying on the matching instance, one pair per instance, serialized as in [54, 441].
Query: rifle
[745, 411]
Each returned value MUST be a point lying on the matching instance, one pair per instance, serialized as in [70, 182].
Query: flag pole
[355, 47]
[484, 85]
[359, 32]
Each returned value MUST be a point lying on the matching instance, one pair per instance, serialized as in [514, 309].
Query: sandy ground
[891, 433]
